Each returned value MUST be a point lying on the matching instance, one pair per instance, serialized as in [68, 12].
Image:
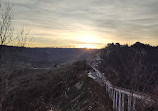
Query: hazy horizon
[88, 23]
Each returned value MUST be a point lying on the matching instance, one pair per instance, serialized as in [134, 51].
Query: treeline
[133, 67]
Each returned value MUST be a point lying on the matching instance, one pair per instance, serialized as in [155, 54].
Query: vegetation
[63, 89]
[9, 36]
[133, 67]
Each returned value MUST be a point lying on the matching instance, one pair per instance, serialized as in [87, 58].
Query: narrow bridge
[123, 99]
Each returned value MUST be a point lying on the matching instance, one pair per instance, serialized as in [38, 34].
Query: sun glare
[87, 46]
[87, 38]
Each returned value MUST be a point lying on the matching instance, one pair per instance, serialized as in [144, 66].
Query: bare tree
[9, 36]
[6, 30]
[23, 38]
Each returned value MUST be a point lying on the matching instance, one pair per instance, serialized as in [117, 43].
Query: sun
[87, 38]
[87, 46]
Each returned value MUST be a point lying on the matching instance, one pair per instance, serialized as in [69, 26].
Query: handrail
[123, 90]
[114, 90]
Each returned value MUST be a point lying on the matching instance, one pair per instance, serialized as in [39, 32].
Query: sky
[88, 23]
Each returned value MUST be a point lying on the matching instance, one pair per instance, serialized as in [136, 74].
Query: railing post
[123, 103]
[134, 103]
[129, 102]
[112, 92]
[119, 101]
[114, 99]
[109, 92]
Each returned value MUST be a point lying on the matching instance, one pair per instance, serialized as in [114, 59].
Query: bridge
[123, 99]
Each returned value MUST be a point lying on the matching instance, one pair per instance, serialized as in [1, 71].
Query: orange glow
[86, 38]
[87, 46]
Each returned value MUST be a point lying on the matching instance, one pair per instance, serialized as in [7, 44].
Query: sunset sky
[88, 23]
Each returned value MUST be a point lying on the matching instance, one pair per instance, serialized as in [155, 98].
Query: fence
[118, 94]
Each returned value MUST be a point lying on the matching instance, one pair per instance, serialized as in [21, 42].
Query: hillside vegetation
[63, 89]
[132, 67]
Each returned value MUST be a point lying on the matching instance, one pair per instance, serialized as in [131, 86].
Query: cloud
[111, 18]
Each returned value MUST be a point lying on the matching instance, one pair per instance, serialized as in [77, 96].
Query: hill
[133, 67]
[42, 57]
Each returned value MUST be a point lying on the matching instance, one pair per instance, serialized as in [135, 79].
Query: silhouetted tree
[9, 36]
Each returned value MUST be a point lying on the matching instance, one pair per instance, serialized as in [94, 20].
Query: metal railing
[118, 94]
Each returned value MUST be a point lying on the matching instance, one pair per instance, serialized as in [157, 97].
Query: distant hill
[42, 57]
